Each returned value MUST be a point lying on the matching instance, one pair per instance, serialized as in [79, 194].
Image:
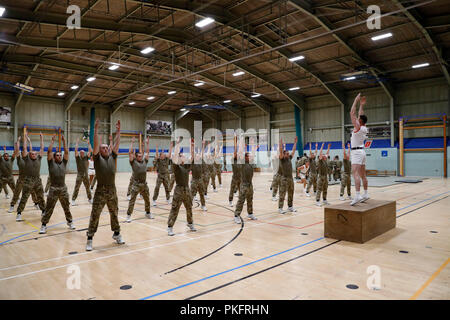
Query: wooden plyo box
[361, 222]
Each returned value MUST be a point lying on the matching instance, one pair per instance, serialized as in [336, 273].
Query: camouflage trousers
[275, 184]
[235, 185]
[104, 195]
[55, 194]
[18, 190]
[246, 193]
[171, 181]
[136, 188]
[197, 185]
[78, 181]
[30, 185]
[206, 177]
[322, 187]
[180, 195]
[164, 179]
[346, 181]
[47, 186]
[337, 175]
[7, 181]
[330, 173]
[312, 181]
[213, 178]
[286, 185]
[219, 175]
[93, 182]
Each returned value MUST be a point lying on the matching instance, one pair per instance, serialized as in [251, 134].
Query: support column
[391, 120]
[401, 150]
[298, 130]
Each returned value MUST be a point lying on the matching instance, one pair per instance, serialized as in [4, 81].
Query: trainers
[149, 215]
[118, 239]
[11, 209]
[128, 197]
[191, 227]
[237, 220]
[307, 194]
[318, 204]
[204, 208]
[251, 217]
[349, 198]
[70, 225]
[274, 199]
[43, 229]
[170, 231]
[154, 203]
[280, 210]
[7, 196]
[195, 198]
[128, 218]
[19, 217]
[357, 199]
[91, 201]
[291, 209]
[220, 186]
[89, 245]
[73, 203]
[215, 190]
[206, 197]
[365, 197]
[341, 198]
[231, 203]
[325, 202]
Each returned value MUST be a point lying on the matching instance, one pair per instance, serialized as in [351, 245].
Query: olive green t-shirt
[21, 165]
[236, 169]
[286, 167]
[330, 163]
[57, 172]
[32, 167]
[337, 165]
[162, 166]
[82, 164]
[6, 166]
[347, 166]
[276, 164]
[246, 173]
[197, 171]
[322, 167]
[105, 169]
[181, 174]
[139, 170]
[312, 166]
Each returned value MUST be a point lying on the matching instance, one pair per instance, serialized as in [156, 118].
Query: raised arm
[50, 149]
[131, 151]
[110, 147]
[316, 149]
[96, 140]
[353, 112]
[66, 152]
[328, 150]
[310, 153]
[294, 147]
[25, 141]
[41, 152]
[321, 148]
[361, 105]
[76, 147]
[115, 149]
[147, 149]
[17, 147]
[349, 151]
[280, 149]
[192, 150]
[170, 148]
[175, 158]
[156, 152]
[90, 150]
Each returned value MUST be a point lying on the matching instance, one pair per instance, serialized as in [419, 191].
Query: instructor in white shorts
[358, 155]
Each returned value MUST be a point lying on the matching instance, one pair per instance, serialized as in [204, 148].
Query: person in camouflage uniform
[246, 192]
[106, 192]
[19, 184]
[330, 165]
[32, 181]
[286, 182]
[322, 183]
[161, 163]
[7, 178]
[300, 162]
[236, 177]
[197, 179]
[276, 179]
[47, 187]
[182, 194]
[82, 161]
[57, 167]
[139, 179]
[212, 170]
[337, 169]
[312, 177]
[346, 181]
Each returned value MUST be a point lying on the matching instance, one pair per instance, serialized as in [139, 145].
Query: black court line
[211, 253]
[289, 260]
[259, 272]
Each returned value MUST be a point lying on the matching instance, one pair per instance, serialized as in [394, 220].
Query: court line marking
[433, 276]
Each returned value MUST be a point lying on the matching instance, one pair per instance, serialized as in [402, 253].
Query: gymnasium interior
[268, 70]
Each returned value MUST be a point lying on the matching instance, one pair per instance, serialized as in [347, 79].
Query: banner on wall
[5, 115]
[158, 127]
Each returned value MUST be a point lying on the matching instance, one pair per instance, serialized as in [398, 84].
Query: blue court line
[265, 258]
[229, 270]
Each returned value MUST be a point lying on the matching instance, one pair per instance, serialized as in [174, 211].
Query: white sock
[357, 193]
[365, 192]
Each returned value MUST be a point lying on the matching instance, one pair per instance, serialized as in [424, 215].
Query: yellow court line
[31, 224]
[418, 292]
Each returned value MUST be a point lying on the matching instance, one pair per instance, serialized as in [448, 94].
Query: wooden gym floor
[275, 257]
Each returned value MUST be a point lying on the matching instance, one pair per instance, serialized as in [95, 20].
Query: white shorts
[358, 156]
[91, 172]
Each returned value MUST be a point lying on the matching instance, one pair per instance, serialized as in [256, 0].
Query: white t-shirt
[358, 137]
[91, 165]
